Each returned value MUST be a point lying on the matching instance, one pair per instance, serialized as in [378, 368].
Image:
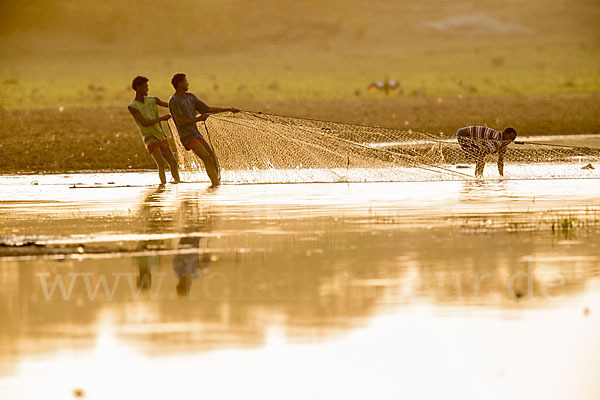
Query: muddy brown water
[120, 289]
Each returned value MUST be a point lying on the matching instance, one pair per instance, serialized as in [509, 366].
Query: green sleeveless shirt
[149, 110]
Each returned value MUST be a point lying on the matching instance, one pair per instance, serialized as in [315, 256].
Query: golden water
[378, 290]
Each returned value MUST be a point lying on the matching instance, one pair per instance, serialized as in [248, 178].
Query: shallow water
[456, 289]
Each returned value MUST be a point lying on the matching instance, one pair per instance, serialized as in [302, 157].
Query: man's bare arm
[208, 112]
[161, 103]
[190, 121]
[146, 122]
[215, 110]
[501, 163]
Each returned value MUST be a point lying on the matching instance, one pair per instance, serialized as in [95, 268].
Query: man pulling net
[479, 141]
[185, 107]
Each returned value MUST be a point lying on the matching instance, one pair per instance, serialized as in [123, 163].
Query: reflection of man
[144, 279]
[187, 266]
[188, 262]
[151, 214]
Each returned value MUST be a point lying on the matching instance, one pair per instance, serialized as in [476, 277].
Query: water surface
[418, 289]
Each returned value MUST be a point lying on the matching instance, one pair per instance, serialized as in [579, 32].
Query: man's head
[179, 82]
[509, 134]
[140, 85]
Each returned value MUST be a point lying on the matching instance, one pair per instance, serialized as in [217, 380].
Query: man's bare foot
[175, 181]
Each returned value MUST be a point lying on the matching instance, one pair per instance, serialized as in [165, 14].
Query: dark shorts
[162, 144]
[188, 139]
[190, 143]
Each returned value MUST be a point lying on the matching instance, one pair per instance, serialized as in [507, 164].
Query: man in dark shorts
[479, 141]
[184, 107]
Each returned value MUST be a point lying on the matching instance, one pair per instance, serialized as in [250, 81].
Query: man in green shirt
[144, 110]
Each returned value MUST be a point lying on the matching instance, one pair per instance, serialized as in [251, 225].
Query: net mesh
[265, 148]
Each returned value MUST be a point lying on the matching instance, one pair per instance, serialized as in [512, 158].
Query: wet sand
[314, 290]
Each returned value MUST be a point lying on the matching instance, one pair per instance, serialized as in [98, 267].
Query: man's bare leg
[210, 151]
[170, 158]
[160, 163]
[209, 163]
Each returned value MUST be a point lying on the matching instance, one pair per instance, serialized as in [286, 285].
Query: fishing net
[265, 148]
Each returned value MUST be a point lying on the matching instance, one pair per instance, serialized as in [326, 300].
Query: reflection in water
[216, 272]
[155, 222]
[483, 190]
[191, 219]
[187, 266]
[145, 273]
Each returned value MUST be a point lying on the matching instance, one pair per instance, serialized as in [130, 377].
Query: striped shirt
[490, 139]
